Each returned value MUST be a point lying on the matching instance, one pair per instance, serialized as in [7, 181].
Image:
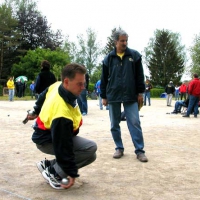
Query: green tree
[96, 74]
[29, 64]
[195, 56]
[34, 27]
[71, 49]
[88, 52]
[110, 45]
[165, 58]
[9, 36]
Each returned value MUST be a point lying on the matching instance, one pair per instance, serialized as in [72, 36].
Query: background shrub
[156, 92]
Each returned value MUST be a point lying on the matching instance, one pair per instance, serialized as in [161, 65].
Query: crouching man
[57, 125]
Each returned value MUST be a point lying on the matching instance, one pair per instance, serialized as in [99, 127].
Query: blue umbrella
[23, 78]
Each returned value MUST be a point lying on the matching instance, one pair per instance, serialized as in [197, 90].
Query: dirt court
[172, 145]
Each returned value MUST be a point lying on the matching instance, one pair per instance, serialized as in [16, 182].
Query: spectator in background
[23, 88]
[32, 88]
[169, 89]
[16, 89]
[82, 99]
[177, 92]
[11, 88]
[20, 87]
[194, 95]
[183, 91]
[179, 104]
[147, 94]
[45, 78]
[98, 92]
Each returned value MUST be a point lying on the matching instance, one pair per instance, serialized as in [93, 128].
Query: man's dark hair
[195, 76]
[70, 70]
[118, 33]
[45, 64]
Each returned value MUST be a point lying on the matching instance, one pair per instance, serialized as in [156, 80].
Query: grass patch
[26, 98]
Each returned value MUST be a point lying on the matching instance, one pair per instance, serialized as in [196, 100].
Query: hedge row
[155, 92]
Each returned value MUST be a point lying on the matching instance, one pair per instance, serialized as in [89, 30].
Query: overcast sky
[139, 18]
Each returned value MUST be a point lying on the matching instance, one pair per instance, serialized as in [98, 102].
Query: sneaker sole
[48, 179]
[40, 168]
[45, 176]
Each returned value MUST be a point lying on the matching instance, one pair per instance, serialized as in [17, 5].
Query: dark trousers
[84, 150]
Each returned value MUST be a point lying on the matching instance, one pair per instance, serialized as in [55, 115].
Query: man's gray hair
[118, 33]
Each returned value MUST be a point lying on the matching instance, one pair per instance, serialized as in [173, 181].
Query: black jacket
[44, 80]
[122, 79]
[61, 131]
[170, 89]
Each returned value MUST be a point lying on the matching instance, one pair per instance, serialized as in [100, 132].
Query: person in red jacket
[194, 94]
[183, 91]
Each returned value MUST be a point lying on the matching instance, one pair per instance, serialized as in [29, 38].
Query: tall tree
[110, 45]
[34, 27]
[195, 56]
[165, 58]
[88, 52]
[9, 36]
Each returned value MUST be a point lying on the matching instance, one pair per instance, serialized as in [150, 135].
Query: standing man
[122, 82]
[194, 95]
[32, 88]
[57, 125]
[169, 89]
[11, 88]
[177, 92]
[45, 78]
[147, 94]
[98, 92]
[82, 99]
[183, 91]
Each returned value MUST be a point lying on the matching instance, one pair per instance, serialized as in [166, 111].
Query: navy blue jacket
[122, 79]
[44, 80]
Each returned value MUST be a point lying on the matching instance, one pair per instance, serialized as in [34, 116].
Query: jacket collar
[126, 53]
[67, 96]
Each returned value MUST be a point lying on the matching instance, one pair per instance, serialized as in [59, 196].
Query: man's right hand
[70, 184]
[104, 102]
[31, 116]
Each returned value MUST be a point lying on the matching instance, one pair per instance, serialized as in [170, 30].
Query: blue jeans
[176, 95]
[82, 102]
[147, 96]
[193, 103]
[178, 105]
[11, 93]
[133, 123]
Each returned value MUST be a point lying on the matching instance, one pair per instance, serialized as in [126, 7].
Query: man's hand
[31, 116]
[70, 184]
[140, 101]
[104, 102]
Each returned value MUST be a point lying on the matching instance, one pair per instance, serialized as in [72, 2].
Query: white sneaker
[42, 165]
[54, 180]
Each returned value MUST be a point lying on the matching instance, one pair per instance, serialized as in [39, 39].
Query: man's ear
[66, 81]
